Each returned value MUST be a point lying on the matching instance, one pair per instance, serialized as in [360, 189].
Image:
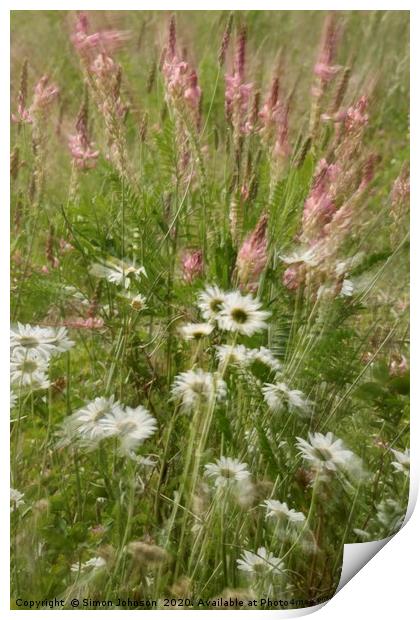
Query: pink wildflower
[45, 94]
[89, 323]
[105, 41]
[324, 69]
[356, 116]
[292, 277]
[398, 366]
[238, 92]
[252, 256]
[84, 156]
[319, 206]
[192, 265]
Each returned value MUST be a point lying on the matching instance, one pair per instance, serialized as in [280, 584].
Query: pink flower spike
[252, 256]
[192, 265]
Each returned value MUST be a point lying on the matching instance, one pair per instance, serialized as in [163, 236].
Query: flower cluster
[105, 417]
[31, 348]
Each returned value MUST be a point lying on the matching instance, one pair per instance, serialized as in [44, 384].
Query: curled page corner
[357, 555]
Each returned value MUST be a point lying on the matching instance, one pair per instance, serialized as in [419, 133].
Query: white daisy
[227, 471]
[138, 302]
[262, 562]
[211, 302]
[197, 386]
[45, 340]
[92, 564]
[347, 288]
[195, 331]
[302, 255]
[16, 499]
[391, 514]
[242, 314]
[277, 395]
[88, 423]
[117, 271]
[266, 357]
[28, 368]
[402, 464]
[232, 354]
[131, 426]
[282, 513]
[326, 453]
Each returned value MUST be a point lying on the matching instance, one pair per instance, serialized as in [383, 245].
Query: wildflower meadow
[209, 302]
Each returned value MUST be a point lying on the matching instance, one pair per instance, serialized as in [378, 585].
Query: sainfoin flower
[192, 265]
[252, 256]
[46, 340]
[326, 453]
[82, 151]
[117, 271]
[44, 95]
[16, 499]
[260, 563]
[227, 471]
[282, 513]
[211, 302]
[242, 314]
[195, 387]
[195, 331]
[402, 464]
[28, 369]
[95, 563]
[277, 395]
[102, 41]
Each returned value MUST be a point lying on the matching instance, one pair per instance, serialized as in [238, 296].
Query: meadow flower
[260, 563]
[252, 256]
[305, 255]
[211, 302]
[347, 288]
[264, 356]
[131, 425]
[147, 554]
[117, 271]
[232, 354]
[282, 513]
[391, 514]
[194, 387]
[227, 471]
[402, 464]
[87, 424]
[44, 95]
[326, 453]
[16, 499]
[277, 395]
[242, 314]
[192, 265]
[195, 331]
[95, 563]
[45, 340]
[82, 151]
[28, 368]
[104, 40]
